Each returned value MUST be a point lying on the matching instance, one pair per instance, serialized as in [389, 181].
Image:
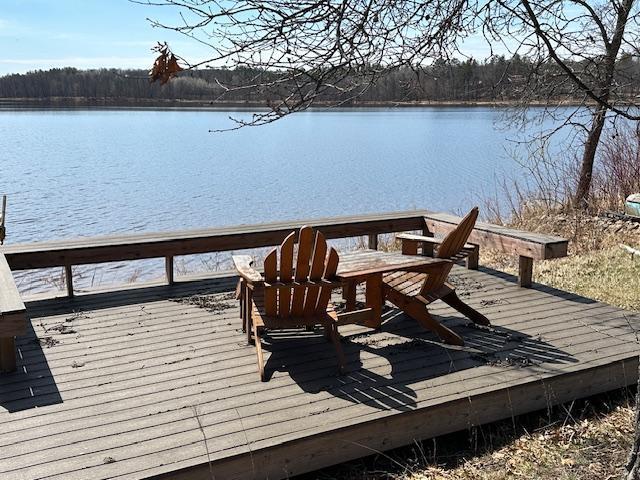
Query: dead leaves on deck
[165, 65]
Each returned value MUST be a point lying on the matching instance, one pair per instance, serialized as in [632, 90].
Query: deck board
[153, 377]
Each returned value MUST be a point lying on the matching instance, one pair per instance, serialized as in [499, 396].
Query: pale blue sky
[42, 34]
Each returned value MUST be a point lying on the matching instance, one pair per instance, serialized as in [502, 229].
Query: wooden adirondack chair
[412, 292]
[289, 297]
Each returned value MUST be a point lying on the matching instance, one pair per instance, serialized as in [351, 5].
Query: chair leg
[248, 309]
[472, 314]
[418, 311]
[249, 330]
[240, 298]
[335, 339]
[258, 342]
[424, 318]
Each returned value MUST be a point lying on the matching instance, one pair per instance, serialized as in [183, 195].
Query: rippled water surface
[72, 173]
[88, 172]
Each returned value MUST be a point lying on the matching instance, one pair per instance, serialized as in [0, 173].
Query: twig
[246, 439]
[204, 436]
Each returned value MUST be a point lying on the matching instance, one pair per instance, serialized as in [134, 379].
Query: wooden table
[369, 266]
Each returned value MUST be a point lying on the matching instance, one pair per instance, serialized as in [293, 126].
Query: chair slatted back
[455, 241]
[299, 293]
[452, 244]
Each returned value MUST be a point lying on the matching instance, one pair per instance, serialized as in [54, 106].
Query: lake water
[70, 173]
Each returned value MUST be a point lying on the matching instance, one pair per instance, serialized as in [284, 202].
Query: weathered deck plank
[152, 377]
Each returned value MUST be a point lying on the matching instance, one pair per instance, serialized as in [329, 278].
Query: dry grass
[596, 266]
[587, 440]
[593, 448]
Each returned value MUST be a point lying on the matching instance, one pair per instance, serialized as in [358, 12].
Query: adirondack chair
[412, 292]
[289, 297]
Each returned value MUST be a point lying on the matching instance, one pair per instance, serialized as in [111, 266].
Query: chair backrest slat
[317, 270]
[330, 269]
[286, 274]
[305, 246]
[450, 247]
[456, 240]
[271, 276]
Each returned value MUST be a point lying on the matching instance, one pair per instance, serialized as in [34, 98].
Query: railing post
[373, 242]
[525, 272]
[168, 266]
[68, 279]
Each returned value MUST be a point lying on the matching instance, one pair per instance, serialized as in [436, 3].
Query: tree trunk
[581, 198]
[633, 462]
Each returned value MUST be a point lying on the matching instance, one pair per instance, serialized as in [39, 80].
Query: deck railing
[67, 253]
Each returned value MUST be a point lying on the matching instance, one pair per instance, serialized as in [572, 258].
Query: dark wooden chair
[413, 292]
[294, 292]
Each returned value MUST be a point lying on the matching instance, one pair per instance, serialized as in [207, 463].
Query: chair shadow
[382, 365]
[32, 384]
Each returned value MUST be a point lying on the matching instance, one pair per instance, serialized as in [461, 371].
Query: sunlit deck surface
[128, 384]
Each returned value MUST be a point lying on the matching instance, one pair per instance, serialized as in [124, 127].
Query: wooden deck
[129, 384]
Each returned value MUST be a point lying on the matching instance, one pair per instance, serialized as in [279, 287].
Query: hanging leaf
[165, 65]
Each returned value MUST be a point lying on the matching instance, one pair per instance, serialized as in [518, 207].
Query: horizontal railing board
[509, 240]
[156, 245]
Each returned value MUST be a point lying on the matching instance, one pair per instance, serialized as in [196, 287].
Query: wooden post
[7, 354]
[373, 242]
[168, 266]
[68, 277]
[409, 247]
[349, 295]
[375, 299]
[3, 215]
[473, 258]
[427, 248]
[525, 272]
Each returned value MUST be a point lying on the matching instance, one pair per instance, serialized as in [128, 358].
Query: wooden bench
[13, 317]
[527, 245]
[82, 251]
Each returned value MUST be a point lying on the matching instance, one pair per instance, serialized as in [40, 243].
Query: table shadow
[32, 384]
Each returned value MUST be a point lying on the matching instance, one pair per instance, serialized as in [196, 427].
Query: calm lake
[70, 173]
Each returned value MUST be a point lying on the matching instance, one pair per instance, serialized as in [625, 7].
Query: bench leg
[525, 272]
[7, 354]
[473, 258]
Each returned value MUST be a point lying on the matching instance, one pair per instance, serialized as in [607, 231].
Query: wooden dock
[158, 381]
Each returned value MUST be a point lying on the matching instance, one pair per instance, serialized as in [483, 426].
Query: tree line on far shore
[495, 80]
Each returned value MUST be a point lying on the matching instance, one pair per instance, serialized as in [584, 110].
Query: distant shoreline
[112, 102]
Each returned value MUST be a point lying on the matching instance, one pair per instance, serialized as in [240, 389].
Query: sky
[43, 34]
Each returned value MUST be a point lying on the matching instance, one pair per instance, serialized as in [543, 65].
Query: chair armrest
[243, 264]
